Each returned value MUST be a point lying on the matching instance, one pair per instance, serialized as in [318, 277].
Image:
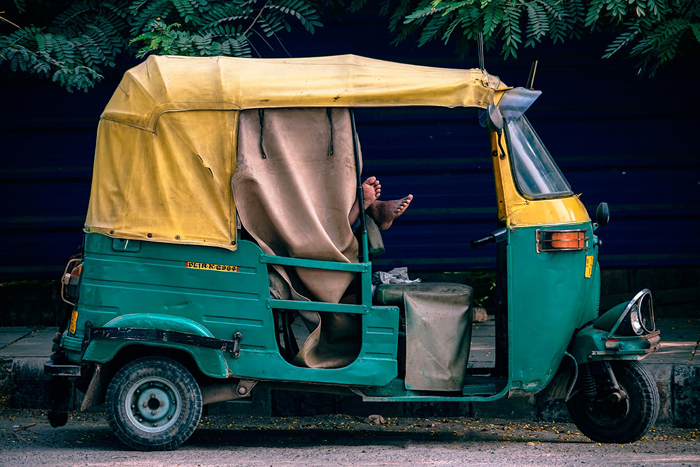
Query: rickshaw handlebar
[496, 236]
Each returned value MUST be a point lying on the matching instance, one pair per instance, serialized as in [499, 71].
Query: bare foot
[371, 189]
[384, 212]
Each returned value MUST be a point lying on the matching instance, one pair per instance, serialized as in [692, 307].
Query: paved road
[333, 441]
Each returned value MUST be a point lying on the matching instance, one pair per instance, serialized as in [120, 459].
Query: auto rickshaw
[171, 300]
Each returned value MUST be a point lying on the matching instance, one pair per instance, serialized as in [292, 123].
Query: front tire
[153, 404]
[625, 421]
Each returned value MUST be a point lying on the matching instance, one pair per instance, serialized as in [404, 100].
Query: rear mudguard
[211, 362]
[563, 382]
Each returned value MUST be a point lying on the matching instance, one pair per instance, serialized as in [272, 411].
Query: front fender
[596, 342]
[211, 362]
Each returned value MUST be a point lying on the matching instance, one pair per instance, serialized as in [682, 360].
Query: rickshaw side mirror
[602, 214]
[494, 119]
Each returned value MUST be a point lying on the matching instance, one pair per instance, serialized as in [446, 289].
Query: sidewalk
[23, 352]
[676, 368]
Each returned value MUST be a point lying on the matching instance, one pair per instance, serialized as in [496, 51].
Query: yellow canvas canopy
[166, 142]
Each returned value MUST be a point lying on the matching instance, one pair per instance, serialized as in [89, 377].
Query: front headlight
[638, 317]
[635, 320]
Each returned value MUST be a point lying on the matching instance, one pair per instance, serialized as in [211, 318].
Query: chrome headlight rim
[646, 311]
[639, 314]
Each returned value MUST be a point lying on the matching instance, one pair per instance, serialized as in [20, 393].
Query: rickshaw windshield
[536, 173]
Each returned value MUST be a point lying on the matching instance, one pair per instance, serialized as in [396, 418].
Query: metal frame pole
[366, 277]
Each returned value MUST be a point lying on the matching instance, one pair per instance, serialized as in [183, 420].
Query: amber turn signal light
[569, 240]
[561, 240]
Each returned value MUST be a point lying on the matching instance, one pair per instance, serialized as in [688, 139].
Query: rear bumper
[62, 370]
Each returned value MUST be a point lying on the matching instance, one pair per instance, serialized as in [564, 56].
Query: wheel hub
[153, 404]
[611, 410]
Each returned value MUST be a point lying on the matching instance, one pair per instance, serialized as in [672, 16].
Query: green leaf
[21, 6]
[696, 31]
[593, 14]
[432, 29]
[622, 40]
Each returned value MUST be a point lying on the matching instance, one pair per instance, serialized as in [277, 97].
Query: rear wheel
[153, 404]
[623, 421]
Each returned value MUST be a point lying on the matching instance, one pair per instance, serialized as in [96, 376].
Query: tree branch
[7, 20]
[245, 33]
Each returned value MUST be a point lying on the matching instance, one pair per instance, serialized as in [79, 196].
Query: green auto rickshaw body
[144, 291]
[548, 301]
[152, 287]
[135, 284]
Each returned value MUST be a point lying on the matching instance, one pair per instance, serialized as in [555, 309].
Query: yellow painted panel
[519, 211]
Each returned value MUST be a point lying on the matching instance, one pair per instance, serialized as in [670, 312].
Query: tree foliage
[653, 31]
[81, 38]
[85, 36]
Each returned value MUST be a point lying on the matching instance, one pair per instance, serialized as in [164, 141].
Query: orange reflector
[575, 239]
[73, 322]
[77, 271]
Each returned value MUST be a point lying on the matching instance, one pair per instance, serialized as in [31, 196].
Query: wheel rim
[153, 404]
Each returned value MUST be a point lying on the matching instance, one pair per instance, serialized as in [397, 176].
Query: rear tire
[153, 404]
[621, 422]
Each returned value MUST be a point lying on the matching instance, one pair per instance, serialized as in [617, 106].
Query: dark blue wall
[618, 138]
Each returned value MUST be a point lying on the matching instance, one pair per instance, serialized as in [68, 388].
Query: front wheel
[623, 421]
[153, 404]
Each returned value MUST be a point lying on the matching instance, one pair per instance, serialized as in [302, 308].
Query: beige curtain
[294, 186]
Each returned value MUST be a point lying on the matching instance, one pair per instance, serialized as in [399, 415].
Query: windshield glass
[536, 173]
